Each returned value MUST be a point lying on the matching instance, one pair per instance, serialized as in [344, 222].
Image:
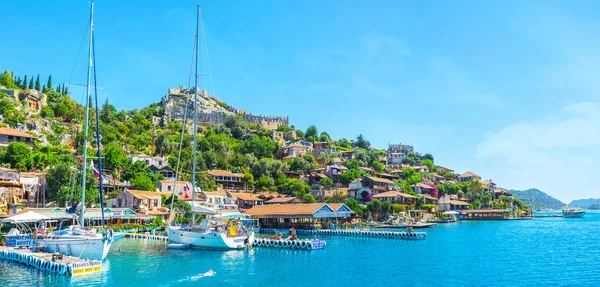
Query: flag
[79, 160]
[96, 172]
[187, 186]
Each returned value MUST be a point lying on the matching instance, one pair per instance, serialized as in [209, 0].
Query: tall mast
[195, 116]
[87, 115]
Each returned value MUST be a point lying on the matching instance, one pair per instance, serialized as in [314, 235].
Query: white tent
[28, 216]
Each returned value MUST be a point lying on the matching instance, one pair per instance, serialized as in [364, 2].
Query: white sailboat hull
[94, 248]
[209, 240]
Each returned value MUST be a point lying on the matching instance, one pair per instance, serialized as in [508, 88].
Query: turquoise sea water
[538, 252]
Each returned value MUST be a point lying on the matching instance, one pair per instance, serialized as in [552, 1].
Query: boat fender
[296, 244]
[309, 245]
[286, 244]
[276, 243]
[303, 244]
[70, 269]
[63, 269]
[268, 243]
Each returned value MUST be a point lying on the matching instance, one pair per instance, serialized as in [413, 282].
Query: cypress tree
[24, 84]
[49, 84]
[66, 91]
[18, 82]
[38, 85]
[31, 83]
[58, 88]
[44, 89]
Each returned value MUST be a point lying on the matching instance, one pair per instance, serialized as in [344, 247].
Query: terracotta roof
[218, 172]
[444, 168]
[166, 181]
[296, 146]
[13, 132]
[140, 194]
[458, 202]
[382, 180]
[422, 185]
[437, 175]
[301, 209]
[393, 194]
[282, 199]
[484, 210]
[367, 169]
[427, 196]
[215, 193]
[245, 196]
[157, 212]
[469, 174]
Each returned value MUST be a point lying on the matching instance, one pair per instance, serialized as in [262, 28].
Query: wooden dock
[51, 263]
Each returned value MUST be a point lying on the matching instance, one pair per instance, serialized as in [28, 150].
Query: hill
[585, 203]
[537, 199]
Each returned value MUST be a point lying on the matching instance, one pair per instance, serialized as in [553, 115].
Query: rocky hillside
[585, 203]
[537, 199]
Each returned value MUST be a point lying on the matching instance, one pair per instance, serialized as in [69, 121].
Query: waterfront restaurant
[94, 215]
[299, 216]
[485, 214]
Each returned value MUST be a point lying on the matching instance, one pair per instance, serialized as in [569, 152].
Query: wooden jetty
[51, 262]
[147, 236]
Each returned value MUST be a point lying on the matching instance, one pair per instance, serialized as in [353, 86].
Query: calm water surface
[539, 252]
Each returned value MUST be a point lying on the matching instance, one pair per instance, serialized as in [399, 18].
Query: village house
[367, 170]
[166, 171]
[389, 176]
[290, 136]
[420, 168]
[436, 178]
[277, 136]
[447, 203]
[285, 200]
[181, 187]
[500, 192]
[157, 161]
[246, 200]
[334, 171]
[319, 147]
[294, 150]
[11, 191]
[395, 197]
[294, 174]
[228, 179]
[421, 188]
[468, 176]
[218, 200]
[8, 136]
[395, 158]
[448, 170]
[266, 196]
[400, 148]
[371, 185]
[430, 199]
[488, 185]
[346, 155]
[147, 202]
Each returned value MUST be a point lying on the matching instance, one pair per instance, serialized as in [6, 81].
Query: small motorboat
[573, 212]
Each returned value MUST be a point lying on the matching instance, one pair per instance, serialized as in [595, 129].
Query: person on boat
[410, 230]
[42, 229]
[248, 243]
[293, 235]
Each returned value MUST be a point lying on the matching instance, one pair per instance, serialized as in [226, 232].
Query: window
[10, 138]
[168, 187]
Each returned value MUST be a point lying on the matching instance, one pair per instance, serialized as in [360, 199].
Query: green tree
[143, 182]
[115, 157]
[428, 163]
[350, 175]
[312, 133]
[299, 134]
[38, 85]
[377, 166]
[7, 80]
[49, 84]
[30, 83]
[324, 137]
[353, 204]
[428, 156]
[326, 181]
[264, 182]
[24, 83]
[18, 155]
[361, 142]
[397, 208]
[344, 143]
[325, 158]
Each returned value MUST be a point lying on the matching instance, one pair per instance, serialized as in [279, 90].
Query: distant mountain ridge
[537, 199]
[585, 203]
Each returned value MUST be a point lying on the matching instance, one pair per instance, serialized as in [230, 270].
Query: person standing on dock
[293, 235]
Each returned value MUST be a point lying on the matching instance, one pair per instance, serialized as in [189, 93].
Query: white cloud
[558, 154]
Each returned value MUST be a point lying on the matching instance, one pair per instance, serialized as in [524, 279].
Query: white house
[395, 157]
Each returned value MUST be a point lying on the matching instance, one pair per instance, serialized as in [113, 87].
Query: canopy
[451, 212]
[203, 210]
[28, 216]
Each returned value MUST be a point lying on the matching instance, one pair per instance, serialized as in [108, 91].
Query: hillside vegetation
[537, 199]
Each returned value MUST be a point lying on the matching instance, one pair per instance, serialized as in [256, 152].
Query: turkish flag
[79, 160]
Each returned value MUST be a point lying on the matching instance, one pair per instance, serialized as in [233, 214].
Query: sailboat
[79, 240]
[215, 230]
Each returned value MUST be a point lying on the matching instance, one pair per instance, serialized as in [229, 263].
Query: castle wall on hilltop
[210, 110]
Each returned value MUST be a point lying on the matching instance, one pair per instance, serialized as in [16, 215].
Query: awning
[28, 216]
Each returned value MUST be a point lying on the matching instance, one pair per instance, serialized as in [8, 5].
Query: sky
[506, 89]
